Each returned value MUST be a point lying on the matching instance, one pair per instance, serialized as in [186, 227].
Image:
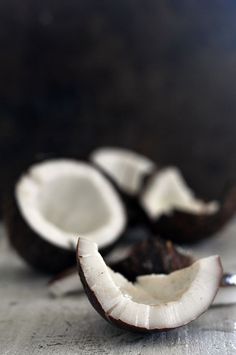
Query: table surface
[32, 322]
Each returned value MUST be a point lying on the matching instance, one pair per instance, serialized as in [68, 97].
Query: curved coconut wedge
[151, 256]
[175, 213]
[128, 171]
[57, 200]
[154, 302]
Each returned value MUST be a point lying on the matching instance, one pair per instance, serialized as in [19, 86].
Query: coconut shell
[117, 322]
[97, 306]
[152, 256]
[184, 227]
[35, 250]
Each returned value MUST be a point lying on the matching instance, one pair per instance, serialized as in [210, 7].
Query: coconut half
[176, 213]
[128, 171]
[153, 302]
[53, 203]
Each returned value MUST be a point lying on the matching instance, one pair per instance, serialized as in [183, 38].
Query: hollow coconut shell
[36, 251]
[100, 287]
[40, 252]
[183, 226]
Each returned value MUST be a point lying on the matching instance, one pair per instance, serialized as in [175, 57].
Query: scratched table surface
[32, 322]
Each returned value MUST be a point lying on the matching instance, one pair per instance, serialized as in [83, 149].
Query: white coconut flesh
[167, 191]
[125, 167]
[61, 199]
[65, 285]
[153, 301]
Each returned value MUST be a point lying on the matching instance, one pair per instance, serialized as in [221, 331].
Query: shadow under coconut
[122, 341]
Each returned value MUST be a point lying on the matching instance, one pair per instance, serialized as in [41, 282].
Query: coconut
[53, 203]
[154, 302]
[175, 213]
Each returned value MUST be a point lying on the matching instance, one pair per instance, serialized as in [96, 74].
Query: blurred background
[158, 77]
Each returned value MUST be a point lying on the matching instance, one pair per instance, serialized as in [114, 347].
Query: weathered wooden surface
[33, 323]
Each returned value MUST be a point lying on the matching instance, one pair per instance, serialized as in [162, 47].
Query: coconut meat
[60, 199]
[127, 168]
[65, 285]
[167, 191]
[153, 301]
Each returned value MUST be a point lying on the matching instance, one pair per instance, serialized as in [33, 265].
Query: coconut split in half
[128, 171]
[153, 302]
[176, 213]
[168, 192]
[54, 202]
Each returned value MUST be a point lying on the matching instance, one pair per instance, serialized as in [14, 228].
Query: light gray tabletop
[31, 322]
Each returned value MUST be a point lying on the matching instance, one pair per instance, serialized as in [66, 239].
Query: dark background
[155, 76]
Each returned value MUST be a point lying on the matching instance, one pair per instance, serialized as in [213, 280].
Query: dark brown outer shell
[34, 249]
[183, 227]
[152, 256]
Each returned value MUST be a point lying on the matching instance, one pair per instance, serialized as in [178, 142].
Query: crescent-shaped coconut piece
[154, 302]
[151, 256]
[128, 171]
[175, 213]
[56, 200]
